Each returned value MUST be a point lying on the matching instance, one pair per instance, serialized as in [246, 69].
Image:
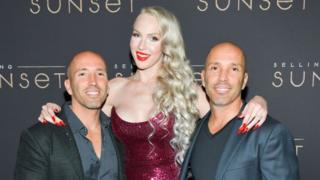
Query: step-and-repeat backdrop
[280, 37]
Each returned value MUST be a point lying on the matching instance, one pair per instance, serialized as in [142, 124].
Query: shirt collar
[236, 117]
[76, 125]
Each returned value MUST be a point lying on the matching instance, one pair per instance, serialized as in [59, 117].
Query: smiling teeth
[142, 55]
[222, 89]
[92, 93]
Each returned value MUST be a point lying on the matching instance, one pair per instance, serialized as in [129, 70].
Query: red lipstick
[141, 56]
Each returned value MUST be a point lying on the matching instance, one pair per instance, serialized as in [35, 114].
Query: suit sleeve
[278, 159]
[32, 163]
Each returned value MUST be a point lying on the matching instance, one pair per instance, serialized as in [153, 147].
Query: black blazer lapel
[69, 146]
[230, 150]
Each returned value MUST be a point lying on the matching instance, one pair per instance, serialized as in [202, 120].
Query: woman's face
[146, 41]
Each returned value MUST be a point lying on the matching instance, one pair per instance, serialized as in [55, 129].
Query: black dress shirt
[105, 168]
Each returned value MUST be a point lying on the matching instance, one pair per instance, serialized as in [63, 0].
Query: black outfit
[48, 152]
[261, 154]
[207, 151]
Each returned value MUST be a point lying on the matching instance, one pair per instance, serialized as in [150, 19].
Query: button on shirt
[105, 168]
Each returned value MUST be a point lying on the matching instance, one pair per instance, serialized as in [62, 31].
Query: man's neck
[221, 115]
[90, 118]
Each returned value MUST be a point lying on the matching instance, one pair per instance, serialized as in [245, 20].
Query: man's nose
[92, 79]
[223, 75]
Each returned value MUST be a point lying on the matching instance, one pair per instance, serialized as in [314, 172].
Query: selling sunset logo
[296, 74]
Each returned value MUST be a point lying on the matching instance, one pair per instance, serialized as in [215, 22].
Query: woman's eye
[154, 38]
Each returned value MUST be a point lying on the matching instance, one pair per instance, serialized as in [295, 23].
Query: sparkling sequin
[144, 161]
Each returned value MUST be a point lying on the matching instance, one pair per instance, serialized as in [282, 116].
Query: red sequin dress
[144, 161]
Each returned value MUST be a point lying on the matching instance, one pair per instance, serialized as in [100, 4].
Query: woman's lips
[141, 56]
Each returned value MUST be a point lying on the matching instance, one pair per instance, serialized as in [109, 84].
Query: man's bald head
[226, 49]
[224, 75]
[83, 55]
[87, 82]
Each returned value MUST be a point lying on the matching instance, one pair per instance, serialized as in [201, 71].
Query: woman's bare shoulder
[118, 83]
[116, 86]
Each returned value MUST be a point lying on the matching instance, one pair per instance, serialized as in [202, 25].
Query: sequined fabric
[144, 161]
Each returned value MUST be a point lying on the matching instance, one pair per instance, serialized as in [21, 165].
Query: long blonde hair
[176, 92]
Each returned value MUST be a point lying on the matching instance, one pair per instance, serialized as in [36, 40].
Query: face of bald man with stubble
[224, 76]
[87, 81]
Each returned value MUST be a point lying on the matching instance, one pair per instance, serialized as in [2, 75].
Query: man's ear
[202, 78]
[245, 80]
[68, 86]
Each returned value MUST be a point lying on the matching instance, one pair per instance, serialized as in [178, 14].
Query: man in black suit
[221, 151]
[84, 148]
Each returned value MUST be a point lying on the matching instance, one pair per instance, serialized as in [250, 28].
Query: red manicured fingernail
[59, 124]
[245, 130]
[242, 128]
[62, 123]
[55, 110]
[256, 127]
[53, 118]
[56, 123]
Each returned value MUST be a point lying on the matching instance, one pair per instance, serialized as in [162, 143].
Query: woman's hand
[48, 114]
[254, 114]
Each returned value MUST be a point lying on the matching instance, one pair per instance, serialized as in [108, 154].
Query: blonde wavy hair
[176, 92]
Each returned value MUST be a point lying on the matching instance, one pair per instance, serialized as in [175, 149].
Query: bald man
[221, 151]
[82, 149]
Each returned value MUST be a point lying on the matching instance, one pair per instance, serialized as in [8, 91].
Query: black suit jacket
[267, 153]
[50, 152]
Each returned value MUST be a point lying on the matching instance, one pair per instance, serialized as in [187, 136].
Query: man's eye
[213, 68]
[235, 69]
[134, 34]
